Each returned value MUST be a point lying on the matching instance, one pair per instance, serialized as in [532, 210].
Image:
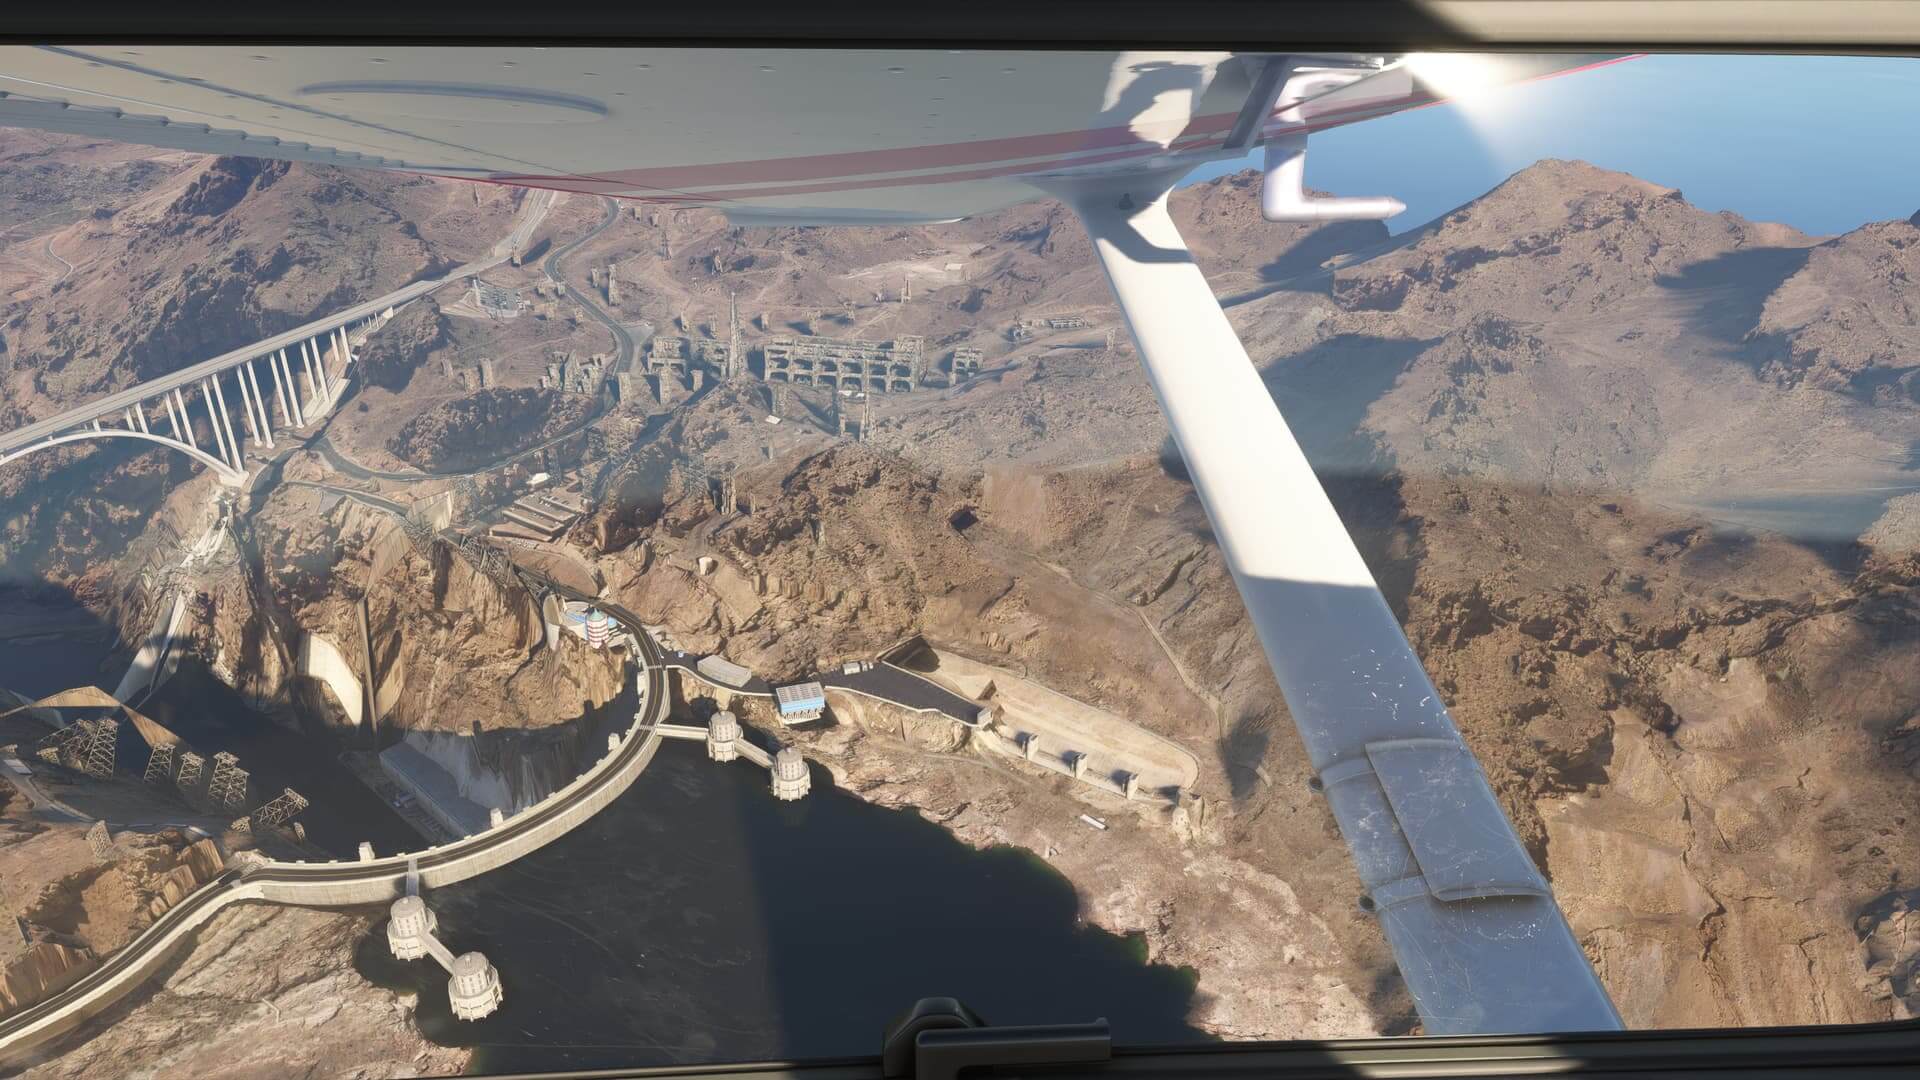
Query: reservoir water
[700, 919]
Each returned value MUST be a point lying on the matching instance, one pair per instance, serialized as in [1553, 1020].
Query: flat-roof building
[800, 702]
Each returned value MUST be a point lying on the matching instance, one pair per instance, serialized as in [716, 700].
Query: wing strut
[1474, 927]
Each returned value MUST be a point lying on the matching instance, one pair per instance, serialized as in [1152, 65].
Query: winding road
[624, 349]
[55, 257]
[338, 884]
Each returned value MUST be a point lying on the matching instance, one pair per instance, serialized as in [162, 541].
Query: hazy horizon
[1771, 138]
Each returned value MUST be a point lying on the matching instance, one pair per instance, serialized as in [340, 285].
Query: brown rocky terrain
[443, 439]
[228, 251]
[263, 987]
[1524, 488]
[172, 258]
[73, 906]
[1633, 473]
[403, 345]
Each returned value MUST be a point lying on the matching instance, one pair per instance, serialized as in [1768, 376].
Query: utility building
[800, 702]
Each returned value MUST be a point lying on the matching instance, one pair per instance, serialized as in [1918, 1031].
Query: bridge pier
[259, 403]
[290, 394]
[177, 405]
[235, 452]
[313, 387]
[279, 389]
[207, 392]
[246, 409]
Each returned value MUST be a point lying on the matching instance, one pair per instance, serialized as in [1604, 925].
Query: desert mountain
[216, 252]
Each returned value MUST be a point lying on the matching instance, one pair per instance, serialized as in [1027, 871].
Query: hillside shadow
[1326, 390]
[1301, 267]
[278, 752]
[49, 642]
[734, 926]
[1242, 750]
[1728, 292]
[1324, 393]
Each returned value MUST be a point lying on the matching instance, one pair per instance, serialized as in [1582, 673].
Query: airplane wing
[848, 135]
[878, 137]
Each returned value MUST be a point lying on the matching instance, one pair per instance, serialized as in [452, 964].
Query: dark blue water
[211, 716]
[36, 669]
[700, 919]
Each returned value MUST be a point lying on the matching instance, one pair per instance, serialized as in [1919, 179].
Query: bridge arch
[227, 473]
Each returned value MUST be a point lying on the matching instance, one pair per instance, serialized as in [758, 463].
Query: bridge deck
[532, 210]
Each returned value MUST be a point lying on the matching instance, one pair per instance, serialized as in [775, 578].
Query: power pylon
[287, 804]
[160, 765]
[228, 785]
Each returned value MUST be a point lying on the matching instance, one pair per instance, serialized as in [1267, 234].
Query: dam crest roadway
[373, 880]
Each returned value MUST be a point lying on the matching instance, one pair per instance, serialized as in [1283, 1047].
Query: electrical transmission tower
[160, 765]
[419, 531]
[691, 474]
[85, 746]
[489, 560]
[467, 491]
[101, 745]
[228, 786]
[188, 778]
[277, 812]
[735, 362]
[62, 747]
[100, 842]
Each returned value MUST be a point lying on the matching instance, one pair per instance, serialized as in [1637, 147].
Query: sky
[1821, 143]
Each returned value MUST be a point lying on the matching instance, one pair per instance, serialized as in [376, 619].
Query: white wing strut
[1478, 937]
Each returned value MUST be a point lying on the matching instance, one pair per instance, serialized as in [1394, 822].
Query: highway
[365, 498]
[622, 339]
[341, 884]
[532, 210]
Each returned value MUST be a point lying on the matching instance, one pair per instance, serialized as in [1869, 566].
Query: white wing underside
[776, 136]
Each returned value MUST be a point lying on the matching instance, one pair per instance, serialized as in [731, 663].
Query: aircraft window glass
[632, 557]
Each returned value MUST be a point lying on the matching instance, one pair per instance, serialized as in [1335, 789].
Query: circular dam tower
[474, 988]
[790, 779]
[409, 924]
[723, 737]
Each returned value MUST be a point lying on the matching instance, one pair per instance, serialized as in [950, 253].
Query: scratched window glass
[566, 558]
